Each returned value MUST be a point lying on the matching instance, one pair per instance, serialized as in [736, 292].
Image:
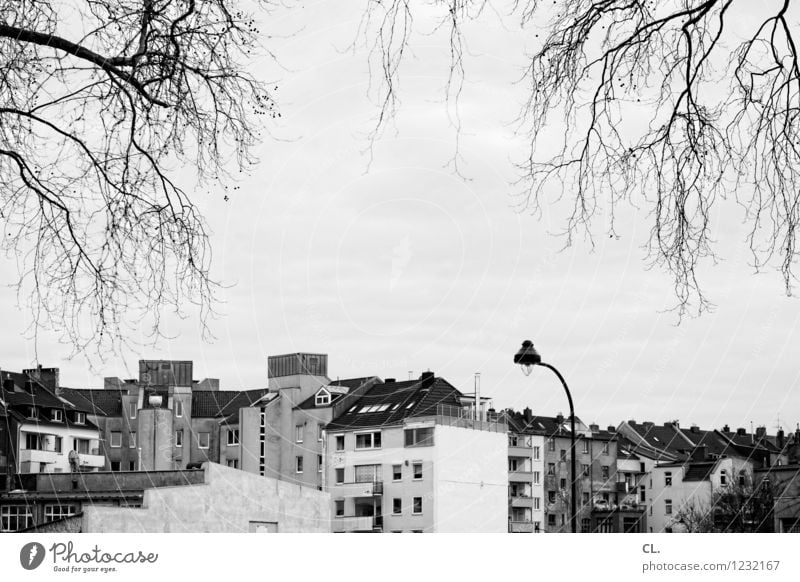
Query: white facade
[45, 448]
[454, 482]
[526, 476]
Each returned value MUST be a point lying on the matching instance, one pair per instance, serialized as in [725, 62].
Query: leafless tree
[102, 102]
[670, 106]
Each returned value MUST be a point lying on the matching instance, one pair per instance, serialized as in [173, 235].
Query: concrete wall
[470, 480]
[155, 439]
[229, 501]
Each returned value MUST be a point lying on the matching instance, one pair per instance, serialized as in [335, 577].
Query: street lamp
[527, 357]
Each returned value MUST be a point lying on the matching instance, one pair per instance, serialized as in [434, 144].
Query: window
[586, 525]
[58, 416]
[203, 439]
[536, 453]
[551, 446]
[59, 445]
[298, 433]
[339, 442]
[339, 503]
[563, 519]
[32, 441]
[563, 455]
[179, 438]
[585, 498]
[233, 437]
[81, 446]
[551, 497]
[319, 433]
[368, 473]
[179, 408]
[551, 519]
[513, 464]
[537, 527]
[339, 472]
[368, 440]
[417, 471]
[80, 418]
[397, 506]
[323, 398]
[667, 530]
[641, 468]
[298, 464]
[131, 465]
[605, 448]
[417, 506]
[667, 479]
[319, 463]
[563, 484]
[15, 517]
[116, 466]
[668, 506]
[537, 503]
[132, 409]
[585, 446]
[397, 472]
[642, 494]
[513, 441]
[33, 412]
[585, 469]
[419, 437]
[116, 440]
[742, 478]
[132, 440]
[551, 468]
[604, 472]
[723, 478]
[536, 477]
[54, 511]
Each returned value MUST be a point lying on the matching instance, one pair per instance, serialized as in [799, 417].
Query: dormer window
[323, 398]
[80, 418]
[58, 416]
[33, 412]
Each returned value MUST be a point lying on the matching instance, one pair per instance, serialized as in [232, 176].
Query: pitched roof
[387, 403]
[213, 403]
[662, 438]
[349, 384]
[95, 401]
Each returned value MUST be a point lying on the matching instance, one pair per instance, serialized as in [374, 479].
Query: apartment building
[526, 471]
[41, 432]
[417, 456]
[163, 420]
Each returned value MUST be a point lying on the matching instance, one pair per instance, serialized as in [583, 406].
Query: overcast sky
[402, 266]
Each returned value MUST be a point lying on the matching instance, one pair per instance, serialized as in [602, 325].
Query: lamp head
[527, 357]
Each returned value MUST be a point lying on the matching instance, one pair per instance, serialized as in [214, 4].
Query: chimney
[672, 423]
[694, 428]
[726, 428]
[648, 426]
[527, 414]
[427, 375]
[741, 431]
[389, 380]
[560, 419]
[612, 428]
[781, 438]
[594, 427]
[761, 432]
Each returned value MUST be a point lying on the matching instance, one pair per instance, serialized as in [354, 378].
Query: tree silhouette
[670, 106]
[101, 101]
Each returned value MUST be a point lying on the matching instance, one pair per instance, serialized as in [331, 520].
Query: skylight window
[410, 404]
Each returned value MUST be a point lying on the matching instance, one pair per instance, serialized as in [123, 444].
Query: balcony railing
[520, 527]
[362, 489]
[353, 523]
[465, 418]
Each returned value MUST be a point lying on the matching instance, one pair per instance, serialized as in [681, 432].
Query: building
[213, 499]
[281, 434]
[164, 420]
[42, 432]
[689, 468]
[526, 470]
[416, 456]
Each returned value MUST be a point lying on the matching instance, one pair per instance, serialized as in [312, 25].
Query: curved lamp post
[527, 357]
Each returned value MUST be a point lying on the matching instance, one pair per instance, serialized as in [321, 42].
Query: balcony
[38, 456]
[520, 527]
[623, 487]
[353, 523]
[522, 501]
[369, 489]
[93, 460]
[524, 476]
